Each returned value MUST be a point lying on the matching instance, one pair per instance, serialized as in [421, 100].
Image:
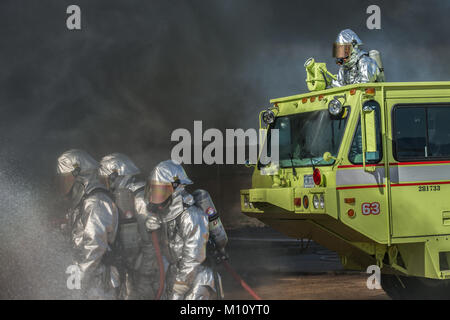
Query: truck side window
[410, 132]
[355, 155]
[421, 132]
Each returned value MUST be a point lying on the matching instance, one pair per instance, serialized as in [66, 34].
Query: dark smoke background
[140, 69]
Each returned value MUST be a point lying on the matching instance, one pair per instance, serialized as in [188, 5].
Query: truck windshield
[305, 137]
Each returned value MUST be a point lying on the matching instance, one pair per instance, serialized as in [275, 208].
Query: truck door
[419, 161]
[361, 193]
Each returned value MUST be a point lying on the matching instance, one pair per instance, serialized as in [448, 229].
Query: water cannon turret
[317, 76]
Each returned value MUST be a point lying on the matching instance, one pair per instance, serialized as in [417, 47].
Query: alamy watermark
[235, 139]
[74, 278]
[73, 21]
[374, 20]
[374, 280]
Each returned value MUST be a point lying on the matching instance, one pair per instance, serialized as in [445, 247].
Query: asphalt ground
[280, 268]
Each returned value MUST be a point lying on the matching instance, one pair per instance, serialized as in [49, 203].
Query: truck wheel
[414, 287]
[392, 286]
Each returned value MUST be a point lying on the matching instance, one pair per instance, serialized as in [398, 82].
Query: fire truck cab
[365, 171]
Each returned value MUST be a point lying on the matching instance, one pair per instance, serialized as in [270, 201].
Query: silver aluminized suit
[142, 270]
[184, 235]
[360, 68]
[92, 223]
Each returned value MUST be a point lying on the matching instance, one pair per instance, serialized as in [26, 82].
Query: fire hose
[240, 281]
[162, 275]
[225, 263]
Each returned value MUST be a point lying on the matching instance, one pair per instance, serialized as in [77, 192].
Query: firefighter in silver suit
[91, 223]
[126, 183]
[184, 233]
[356, 66]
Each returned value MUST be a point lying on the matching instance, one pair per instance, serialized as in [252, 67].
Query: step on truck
[364, 170]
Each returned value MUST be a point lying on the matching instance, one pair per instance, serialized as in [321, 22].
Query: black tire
[392, 286]
[402, 287]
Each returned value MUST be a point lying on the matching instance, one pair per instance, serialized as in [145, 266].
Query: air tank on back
[217, 232]
[376, 55]
[128, 227]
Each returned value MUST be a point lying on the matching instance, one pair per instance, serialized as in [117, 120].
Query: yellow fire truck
[365, 171]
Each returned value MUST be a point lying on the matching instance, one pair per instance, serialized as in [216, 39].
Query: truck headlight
[316, 201]
[322, 201]
[335, 108]
[268, 117]
[246, 201]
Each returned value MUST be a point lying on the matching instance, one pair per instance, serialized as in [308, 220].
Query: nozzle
[309, 63]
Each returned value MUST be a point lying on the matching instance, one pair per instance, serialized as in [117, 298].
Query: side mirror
[327, 157]
[368, 134]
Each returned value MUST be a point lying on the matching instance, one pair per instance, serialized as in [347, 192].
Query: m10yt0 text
[257, 309]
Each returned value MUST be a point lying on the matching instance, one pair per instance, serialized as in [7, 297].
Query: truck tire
[392, 286]
[414, 287]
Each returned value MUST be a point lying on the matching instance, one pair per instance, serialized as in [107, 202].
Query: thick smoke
[140, 69]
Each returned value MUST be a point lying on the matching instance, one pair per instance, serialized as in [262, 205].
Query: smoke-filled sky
[140, 69]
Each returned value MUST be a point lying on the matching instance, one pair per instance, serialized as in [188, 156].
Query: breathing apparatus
[216, 230]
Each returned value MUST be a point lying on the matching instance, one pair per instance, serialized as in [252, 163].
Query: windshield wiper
[291, 156]
[310, 156]
[312, 163]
